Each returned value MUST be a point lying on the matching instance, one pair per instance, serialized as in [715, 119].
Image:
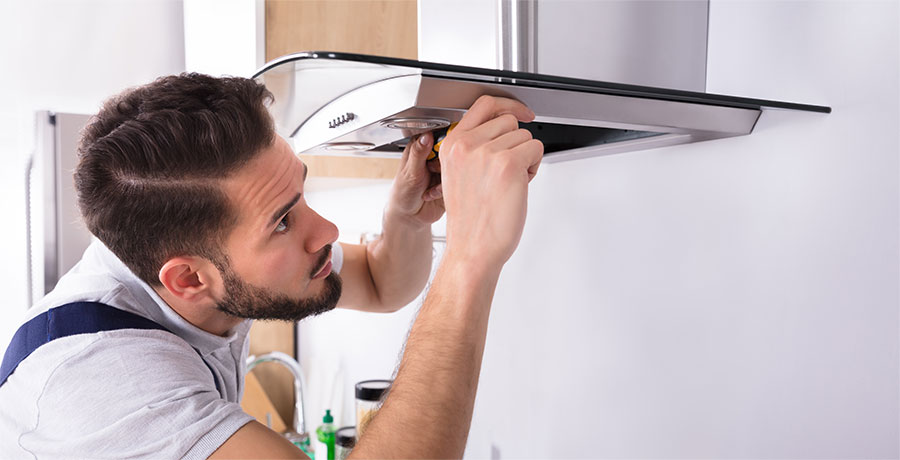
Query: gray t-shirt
[124, 393]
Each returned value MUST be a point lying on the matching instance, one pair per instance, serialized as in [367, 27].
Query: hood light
[416, 123]
[349, 146]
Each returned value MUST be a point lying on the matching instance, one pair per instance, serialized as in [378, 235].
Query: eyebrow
[284, 209]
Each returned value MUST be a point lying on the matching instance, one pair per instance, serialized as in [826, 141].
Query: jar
[369, 394]
[344, 440]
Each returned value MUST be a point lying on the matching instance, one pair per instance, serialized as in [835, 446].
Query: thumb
[420, 149]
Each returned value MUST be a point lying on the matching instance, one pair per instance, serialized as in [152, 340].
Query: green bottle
[325, 436]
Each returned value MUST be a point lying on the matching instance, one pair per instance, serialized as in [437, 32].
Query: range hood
[350, 104]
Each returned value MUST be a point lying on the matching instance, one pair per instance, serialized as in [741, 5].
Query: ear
[190, 278]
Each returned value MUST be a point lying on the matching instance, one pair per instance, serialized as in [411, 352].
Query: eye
[283, 225]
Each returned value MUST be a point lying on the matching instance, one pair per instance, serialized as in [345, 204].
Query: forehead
[268, 181]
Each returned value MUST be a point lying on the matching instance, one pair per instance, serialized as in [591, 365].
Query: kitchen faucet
[299, 435]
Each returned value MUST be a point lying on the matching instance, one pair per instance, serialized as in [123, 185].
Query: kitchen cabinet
[257, 403]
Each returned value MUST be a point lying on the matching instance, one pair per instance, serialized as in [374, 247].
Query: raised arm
[487, 163]
[391, 271]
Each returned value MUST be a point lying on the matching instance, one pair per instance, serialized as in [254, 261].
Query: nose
[324, 233]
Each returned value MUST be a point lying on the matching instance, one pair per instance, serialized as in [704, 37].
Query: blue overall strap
[67, 320]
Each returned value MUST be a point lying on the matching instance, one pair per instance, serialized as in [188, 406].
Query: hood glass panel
[365, 67]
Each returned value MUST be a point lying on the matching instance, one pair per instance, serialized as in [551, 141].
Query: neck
[204, 315]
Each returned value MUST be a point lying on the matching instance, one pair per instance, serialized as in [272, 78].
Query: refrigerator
[57, 236]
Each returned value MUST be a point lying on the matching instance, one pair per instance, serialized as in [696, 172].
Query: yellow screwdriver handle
[439, 136]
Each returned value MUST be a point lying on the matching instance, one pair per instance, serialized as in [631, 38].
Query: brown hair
[150, 161]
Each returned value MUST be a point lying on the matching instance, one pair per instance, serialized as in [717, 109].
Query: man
[199, 210]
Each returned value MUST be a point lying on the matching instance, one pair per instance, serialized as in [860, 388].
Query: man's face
[278, 263]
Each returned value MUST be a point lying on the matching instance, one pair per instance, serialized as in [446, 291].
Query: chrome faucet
[299, 435]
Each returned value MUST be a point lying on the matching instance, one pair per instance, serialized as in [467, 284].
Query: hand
[416, 192]
[486, 165]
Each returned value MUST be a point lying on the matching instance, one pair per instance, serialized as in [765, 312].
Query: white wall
[224, 37]
[729, 299]
[67, 56]
[476, 47]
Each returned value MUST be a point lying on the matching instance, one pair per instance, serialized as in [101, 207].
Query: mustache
[323, 259]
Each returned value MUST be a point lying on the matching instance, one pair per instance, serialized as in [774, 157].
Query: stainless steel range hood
[351, 104]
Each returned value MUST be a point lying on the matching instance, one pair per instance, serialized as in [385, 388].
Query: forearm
[429, 409]
[486, 164]
[400, 260]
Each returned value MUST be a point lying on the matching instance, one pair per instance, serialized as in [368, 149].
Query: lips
[324, 264]
[324, 271]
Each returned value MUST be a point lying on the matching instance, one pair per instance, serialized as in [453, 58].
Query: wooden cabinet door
[377, 27]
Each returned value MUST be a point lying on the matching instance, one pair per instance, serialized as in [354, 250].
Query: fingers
[494, 128]
[530, 153]
[434, 165]
[417, 149]
[523, 146]
[493, 123]
[433, 193]
[489, 107]
[511, 139]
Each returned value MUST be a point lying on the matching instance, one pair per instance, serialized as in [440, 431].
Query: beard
[244, 300]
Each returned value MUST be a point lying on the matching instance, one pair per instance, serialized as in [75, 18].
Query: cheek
[281, 265]
[286, 268]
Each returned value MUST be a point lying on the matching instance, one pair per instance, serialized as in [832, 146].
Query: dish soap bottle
[325, 438]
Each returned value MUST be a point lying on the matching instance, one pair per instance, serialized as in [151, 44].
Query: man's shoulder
[91, 282]
[111, 373]
[100, 388]
[90, 360]
[109, 362]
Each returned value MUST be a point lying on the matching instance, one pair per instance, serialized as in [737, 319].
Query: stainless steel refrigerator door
[57, 236]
